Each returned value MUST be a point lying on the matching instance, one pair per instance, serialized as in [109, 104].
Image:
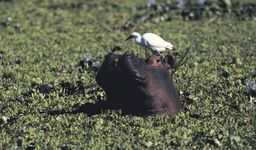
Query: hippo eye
[158, 60]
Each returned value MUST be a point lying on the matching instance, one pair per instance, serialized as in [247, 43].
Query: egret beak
[128, 38]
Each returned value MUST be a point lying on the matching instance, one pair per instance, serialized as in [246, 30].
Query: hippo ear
[170, 61]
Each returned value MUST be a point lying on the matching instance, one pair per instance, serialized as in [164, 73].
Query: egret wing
[154, 41]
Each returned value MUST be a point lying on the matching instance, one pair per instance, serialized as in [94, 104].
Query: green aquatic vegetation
[43, 45]
[192, 10]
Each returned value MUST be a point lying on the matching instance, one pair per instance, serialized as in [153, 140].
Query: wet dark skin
[138, 86]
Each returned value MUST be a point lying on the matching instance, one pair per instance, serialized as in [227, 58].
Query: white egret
[151, 41]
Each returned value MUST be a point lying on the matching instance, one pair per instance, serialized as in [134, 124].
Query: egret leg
[159, 53]
[170, 52]
[146, 53]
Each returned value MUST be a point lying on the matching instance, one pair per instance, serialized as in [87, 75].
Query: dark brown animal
[137, 86]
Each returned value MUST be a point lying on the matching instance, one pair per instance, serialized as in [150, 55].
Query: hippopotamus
[139, 86]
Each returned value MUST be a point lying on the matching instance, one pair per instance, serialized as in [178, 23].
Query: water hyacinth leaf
[235, 138]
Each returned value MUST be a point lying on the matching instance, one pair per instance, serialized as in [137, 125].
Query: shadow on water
[88, 108]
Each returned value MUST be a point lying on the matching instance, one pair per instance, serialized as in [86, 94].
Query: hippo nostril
[112, 57]
[116, 62]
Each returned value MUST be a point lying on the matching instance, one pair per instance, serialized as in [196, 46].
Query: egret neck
[138, 40]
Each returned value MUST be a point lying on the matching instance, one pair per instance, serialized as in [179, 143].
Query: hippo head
[138, 86]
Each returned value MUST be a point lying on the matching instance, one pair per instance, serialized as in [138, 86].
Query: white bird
[151, 41]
